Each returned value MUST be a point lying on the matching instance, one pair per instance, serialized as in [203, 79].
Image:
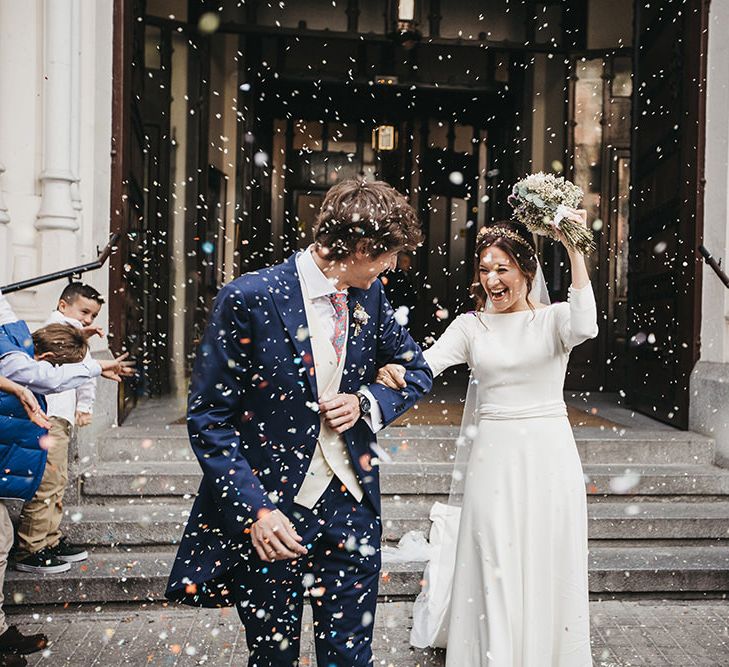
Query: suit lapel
[289, 302]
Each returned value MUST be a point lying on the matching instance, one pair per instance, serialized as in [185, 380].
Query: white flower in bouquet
[540, 201]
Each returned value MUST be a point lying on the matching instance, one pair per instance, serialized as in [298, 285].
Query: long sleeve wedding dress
[519, 594]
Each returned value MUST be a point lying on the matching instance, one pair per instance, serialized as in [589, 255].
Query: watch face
[364, 404]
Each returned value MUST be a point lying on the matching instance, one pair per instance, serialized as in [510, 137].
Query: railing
[714, 265]
[71, 273]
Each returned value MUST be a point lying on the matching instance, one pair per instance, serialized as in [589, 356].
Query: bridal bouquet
[540, 201]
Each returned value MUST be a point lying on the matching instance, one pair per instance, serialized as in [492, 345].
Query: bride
[514, 591]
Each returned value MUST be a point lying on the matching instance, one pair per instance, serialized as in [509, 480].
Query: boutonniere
[360, 317]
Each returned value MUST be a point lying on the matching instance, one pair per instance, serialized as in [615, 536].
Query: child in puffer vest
[14, 642]
[48, 361]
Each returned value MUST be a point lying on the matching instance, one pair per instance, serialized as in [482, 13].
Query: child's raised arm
[44, 378]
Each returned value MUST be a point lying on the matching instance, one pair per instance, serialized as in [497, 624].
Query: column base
[709, 407]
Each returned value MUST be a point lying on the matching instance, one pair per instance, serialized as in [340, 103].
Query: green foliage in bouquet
[536, 200]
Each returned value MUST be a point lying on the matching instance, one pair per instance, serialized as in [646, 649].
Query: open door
[127, 270]
[664, 280]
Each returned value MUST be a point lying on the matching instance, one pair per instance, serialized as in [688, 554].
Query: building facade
[709, 395]
[207, 133]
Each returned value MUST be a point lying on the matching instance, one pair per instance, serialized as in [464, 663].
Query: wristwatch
[364, 404]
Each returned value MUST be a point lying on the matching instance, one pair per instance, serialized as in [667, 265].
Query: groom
[282, 413]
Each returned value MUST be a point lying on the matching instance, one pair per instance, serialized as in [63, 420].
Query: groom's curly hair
[373, 213]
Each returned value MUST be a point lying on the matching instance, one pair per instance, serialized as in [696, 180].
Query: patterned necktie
[339, 301]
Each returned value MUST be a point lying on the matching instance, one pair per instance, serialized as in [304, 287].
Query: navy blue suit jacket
[253, 420]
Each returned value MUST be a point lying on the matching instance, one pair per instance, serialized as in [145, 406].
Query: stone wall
[709, 411]
[55, 139]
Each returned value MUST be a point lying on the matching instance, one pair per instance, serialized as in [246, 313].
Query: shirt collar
[316, 283]
[58, 317]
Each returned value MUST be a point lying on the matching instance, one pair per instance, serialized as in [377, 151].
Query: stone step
[656, 480]
[155, 524]
[143, 523]
[182, 479]
[420, 444]
[138, 576]
[685, 569]
[658, 520]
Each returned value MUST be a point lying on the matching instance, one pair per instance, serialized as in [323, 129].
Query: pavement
[624, 633]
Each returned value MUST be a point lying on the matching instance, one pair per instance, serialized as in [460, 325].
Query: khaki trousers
[6, 543]
[40, 519]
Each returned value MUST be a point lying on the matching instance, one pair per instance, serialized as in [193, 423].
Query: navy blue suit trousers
[339, 575]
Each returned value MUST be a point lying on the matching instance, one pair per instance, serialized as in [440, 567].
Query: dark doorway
[152, 248]
[139, 280]
[664, 280]
[444, 146]
[599, 153]
[127, 271]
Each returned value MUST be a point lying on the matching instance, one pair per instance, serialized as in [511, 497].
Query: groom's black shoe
[14, 641]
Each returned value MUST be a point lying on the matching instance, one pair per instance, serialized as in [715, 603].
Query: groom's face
[363, 269]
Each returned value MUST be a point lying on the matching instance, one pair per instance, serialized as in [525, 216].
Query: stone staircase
[658, 512]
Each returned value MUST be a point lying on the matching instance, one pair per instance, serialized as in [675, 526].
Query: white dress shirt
[41, 377]
[319, 287]
[66, 403]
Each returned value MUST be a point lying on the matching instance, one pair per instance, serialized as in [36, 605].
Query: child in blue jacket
[50, 360]
[14, 641]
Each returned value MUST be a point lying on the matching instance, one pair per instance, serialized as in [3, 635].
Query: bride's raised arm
[579, 321]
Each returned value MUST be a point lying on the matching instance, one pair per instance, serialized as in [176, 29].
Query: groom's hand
[341, 412]
[275, 538]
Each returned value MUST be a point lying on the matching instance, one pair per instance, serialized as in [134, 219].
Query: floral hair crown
[506, 233]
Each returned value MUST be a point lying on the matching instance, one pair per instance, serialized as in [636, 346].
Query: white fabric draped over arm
[7, 315]
[451, 348]
[578, 321]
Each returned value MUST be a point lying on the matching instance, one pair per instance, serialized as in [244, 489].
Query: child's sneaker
[69, 552]
[42, 562]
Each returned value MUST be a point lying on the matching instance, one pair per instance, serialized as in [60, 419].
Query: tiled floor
[624, 633]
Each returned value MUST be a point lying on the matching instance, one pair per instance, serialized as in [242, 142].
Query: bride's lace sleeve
[451, 348]
[577, 319]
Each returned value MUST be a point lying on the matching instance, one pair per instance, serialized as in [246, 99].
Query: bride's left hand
[392, 376]
[578, 215]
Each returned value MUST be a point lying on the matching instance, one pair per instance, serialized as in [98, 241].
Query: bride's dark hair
[517, 242]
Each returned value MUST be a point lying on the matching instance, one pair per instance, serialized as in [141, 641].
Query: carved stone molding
[56, 209]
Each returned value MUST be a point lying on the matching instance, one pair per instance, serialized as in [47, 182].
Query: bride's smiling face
[503, 280]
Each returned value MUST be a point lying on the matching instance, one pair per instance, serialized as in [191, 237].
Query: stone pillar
[56, 220]
[709, 408]
[76, 105]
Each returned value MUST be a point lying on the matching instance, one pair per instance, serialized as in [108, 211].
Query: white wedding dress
[511, 589]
